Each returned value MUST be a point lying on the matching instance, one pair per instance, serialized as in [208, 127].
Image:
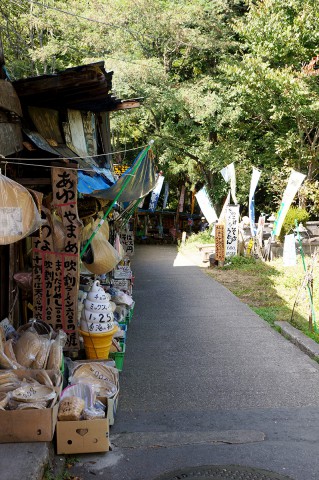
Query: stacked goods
[78, 402]
[30, 381]
[123, 314]
[100, 376]
[26, 390]
[33, 346]
[82, 426]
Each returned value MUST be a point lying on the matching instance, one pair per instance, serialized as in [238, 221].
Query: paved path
[206, 382]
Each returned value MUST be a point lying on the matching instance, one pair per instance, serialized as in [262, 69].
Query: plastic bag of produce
[19, 216]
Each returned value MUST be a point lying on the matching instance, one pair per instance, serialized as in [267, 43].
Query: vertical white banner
[253, 185]
[206, 206]
[232, 221]
[289, 254]
[294, 183]
[156, 193]
[229, 175]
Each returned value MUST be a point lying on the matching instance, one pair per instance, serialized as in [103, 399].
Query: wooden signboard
[56, 273]
[220, 242]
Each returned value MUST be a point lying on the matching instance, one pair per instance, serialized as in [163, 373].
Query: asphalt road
[206, 382]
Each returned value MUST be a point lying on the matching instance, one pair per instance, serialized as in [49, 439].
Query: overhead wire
[18, 160]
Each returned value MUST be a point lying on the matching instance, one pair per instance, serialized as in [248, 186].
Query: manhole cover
[220, 472]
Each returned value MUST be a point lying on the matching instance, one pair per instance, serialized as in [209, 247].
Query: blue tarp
[87, 184]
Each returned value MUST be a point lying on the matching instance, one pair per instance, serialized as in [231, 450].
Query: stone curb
[26, 461]
[306, 344]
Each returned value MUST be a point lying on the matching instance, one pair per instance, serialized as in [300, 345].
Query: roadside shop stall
[69, 272]
[81, 306]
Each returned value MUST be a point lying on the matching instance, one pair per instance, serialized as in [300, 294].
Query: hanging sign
[56, 274]
[294, 183]
[289, 254]
[232, 221]
[156, 193]
[206, 206]
[229, 175]
[220, 242]
[127, 241]
[253, 185]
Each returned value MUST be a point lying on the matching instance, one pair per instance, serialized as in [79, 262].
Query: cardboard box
[111, 404]
[84, 436]
[29, 425]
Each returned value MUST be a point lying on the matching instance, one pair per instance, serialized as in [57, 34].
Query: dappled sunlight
[182, 261]
[189, 258]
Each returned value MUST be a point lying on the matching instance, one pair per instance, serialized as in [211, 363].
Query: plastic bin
[118, 357]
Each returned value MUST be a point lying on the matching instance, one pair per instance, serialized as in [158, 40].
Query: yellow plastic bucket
[97, 345]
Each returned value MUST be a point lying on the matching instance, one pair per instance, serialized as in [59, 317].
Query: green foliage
[201, 237]
[240, 263]
[222, 81]
[299, 214]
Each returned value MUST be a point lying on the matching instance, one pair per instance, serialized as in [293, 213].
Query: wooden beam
[34, 181]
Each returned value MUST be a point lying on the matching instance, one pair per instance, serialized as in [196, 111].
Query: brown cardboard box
[29, 425]
[111, 405]
[84, 436]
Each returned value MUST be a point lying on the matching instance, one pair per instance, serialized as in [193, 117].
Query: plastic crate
[118, 357]
[123, 327]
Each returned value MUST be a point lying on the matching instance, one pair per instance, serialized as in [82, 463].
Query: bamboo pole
[312, 316]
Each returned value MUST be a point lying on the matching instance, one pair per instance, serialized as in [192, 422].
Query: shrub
[201, 237]
[294, 213]
[239, 262]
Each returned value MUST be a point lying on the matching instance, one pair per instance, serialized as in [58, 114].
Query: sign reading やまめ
[56, 272]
